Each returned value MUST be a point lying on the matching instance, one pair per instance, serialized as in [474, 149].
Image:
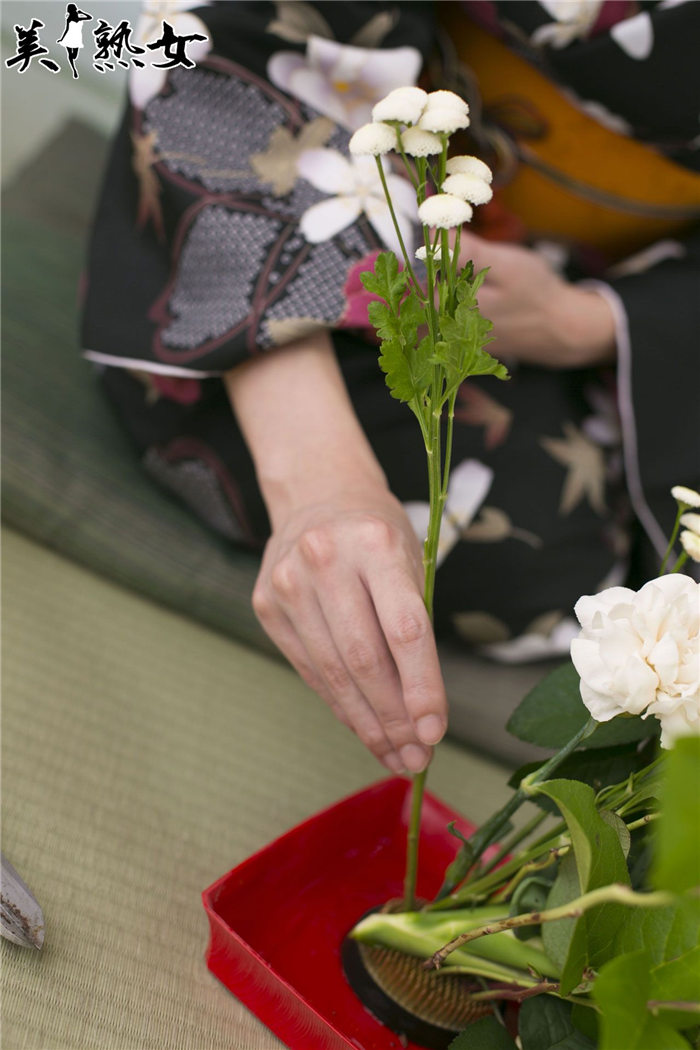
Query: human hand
[340, 593]
[539, 318]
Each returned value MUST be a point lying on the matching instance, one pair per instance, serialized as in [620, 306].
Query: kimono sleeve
[657, 311]
[208, 243]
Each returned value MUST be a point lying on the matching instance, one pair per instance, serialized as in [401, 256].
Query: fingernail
[430, 729]
[414, 757]
[394, 763]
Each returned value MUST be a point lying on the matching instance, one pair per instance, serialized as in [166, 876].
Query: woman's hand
[339, 592]
[538, 317]
[341, 582]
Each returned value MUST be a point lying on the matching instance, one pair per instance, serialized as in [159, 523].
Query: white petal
[446, 100]
[634, 35]
[322, 221]
[312, 87]
[638, 683]
[444, 211]
[282, 66]
[443, 120]
[373, 140]
[664, 659]
[403, 196]
[600, 705]
[468, 165]
[327, 170]
[467, 489]
[468, 188]
[449, 537]
[387, 69]
[398, 107]
[144, 84]
[686, 495]
[419, 516]
[380, 217]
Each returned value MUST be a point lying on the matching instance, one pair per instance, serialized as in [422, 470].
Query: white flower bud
[692, 522]
[691, 544]
[403, 104]
[469, 188]
[466, 165]
[372, 140]
[684, 495]
[422, 253]
[446, 100]
[419, 143]
[445, 120]
[444, 211]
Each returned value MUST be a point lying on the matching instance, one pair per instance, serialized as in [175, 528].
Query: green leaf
[677, 833]
[530, 895]
[485, 1034]
[553, 712]
[678, 980]
[667, 933]
[557, 936]
[544, 1023]
[386, 280]
[622, 990]
[620, 828]
[599, 861]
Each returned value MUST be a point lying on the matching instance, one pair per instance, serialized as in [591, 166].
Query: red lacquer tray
[278, 920]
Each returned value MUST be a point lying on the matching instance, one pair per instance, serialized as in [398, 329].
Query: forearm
[298, 421]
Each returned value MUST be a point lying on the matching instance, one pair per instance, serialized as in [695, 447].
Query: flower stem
[676, 529]
[407, 261]
[615, 893]
[429, 563]
[488, 832]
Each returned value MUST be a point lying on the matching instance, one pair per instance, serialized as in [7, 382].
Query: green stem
[407, 261]
[489, 832]
[409, 888]
[429, 562]
[514, 841]
[676, 529]
[681, 562]
[615, 893]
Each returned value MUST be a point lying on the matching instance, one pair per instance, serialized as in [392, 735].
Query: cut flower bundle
[588, 914]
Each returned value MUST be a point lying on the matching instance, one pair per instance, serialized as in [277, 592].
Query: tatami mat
[144, 756]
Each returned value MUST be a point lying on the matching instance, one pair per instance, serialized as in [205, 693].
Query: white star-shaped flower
[356, 188]
[341, 81]
[144, 84]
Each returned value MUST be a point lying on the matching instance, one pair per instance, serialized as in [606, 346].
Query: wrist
[333, 478]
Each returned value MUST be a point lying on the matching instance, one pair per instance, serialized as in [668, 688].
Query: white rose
[638, 653]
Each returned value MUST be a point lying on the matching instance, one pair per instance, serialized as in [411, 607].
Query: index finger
[409, 634]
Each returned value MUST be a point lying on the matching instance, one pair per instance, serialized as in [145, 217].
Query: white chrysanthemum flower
[446, 100]
[468, 188]
[372, 140]
[685, 495]
[445, 211]
[466, 165]
[638, 654]
[422, 253]
[692, 522]
[404, 104]
[419, 143]
[444, 120]
[691, 543]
